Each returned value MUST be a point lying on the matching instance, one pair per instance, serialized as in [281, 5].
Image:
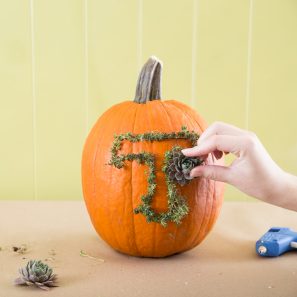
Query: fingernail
[186, 150]
[194, 173]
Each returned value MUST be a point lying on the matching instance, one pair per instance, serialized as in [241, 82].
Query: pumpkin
[133, 205]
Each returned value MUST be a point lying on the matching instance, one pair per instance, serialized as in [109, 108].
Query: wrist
[283, 193]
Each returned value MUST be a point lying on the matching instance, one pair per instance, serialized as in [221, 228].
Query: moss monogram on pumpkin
[136, 182]
[176, 167]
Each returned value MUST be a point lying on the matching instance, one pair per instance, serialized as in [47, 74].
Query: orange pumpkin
[113, 193]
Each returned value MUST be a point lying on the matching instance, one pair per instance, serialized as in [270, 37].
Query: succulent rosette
[38, 274]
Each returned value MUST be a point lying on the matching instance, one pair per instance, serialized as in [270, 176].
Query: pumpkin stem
[149, 81]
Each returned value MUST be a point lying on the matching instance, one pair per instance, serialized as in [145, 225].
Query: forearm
[286, 193]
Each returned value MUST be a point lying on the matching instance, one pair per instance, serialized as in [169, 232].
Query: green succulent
[38, 274]
[179, 166]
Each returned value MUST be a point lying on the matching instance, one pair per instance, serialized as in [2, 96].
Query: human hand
[253, 171]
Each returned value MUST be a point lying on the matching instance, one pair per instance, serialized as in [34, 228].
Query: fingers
[220, 128]
[214, 172]
[223, 143]
[218, 154]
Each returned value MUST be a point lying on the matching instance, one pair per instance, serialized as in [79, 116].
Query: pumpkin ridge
[131, 178]
[211, 218]
[205, 204]
[120, 111]
[171, 129]
[96, 155]
[201, 235]
[193, 122]
[95, 131]
[213, 200]
[150, 107]
[171, 102]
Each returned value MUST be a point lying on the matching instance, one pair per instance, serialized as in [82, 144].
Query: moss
[177, 205]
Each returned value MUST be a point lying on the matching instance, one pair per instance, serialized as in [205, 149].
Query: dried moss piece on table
[177, 205]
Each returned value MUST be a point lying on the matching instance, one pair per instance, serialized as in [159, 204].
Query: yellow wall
[63, 62]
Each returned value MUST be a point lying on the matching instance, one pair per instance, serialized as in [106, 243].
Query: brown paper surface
[225, 264]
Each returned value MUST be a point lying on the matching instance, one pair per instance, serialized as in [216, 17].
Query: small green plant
[38, 274]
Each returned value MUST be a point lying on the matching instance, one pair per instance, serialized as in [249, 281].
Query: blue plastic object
[276, 242]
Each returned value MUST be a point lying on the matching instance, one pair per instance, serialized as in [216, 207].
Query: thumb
[215, 172]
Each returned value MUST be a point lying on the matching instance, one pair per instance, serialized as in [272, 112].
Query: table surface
[224, 264]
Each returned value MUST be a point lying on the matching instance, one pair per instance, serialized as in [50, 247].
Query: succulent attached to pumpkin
[178, 166]
[38, 274]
